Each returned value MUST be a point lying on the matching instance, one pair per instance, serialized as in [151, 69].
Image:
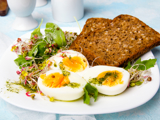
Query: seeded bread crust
[123, 39]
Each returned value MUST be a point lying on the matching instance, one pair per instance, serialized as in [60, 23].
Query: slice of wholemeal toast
[125, 39]
[94, 24]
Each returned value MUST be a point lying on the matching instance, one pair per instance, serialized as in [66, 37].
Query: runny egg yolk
[111, 78]
[74, 64]
[54, 80]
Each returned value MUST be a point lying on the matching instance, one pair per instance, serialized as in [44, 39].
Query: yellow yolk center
[54, 80]
[111, 78]
[74, 64]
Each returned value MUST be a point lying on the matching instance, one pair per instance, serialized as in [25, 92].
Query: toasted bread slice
[124, 39]
[94, 24]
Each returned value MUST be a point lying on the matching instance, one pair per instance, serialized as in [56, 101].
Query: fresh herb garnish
[99, 81]
[37, 31]
[38, 49]
[70, 57]
[95, 81]
[55, 65]
[142, 65]
[61, 66]
[65, 73]
[74, 85]
[86, 98]
[64, 55]
[22, 62]
[11, 87]
[137, 71]
[55, 35]
[89, 91]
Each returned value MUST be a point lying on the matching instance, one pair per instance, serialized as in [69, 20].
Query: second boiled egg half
[69, 60]
[107, 79]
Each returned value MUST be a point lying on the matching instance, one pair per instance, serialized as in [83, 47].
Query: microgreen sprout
[33, 55]
[139, 70]
[32, 96]
[51, 99]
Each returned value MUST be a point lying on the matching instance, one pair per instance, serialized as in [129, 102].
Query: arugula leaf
[90, 90]
[22, 62]
[38, 49]
[37, 31]
[142, 65]
[54, 34]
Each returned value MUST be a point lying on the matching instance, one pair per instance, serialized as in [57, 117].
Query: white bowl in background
[66, 10]
[40, 3]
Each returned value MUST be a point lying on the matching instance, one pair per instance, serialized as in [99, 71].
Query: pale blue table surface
[146, 10]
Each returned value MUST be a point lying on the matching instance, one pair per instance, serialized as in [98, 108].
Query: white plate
[131, 98]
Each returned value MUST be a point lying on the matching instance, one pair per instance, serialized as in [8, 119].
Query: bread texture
[95, 24]
[115, 42]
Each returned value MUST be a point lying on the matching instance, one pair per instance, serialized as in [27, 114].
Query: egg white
[56, 59]
[65, 93]
[107, 90]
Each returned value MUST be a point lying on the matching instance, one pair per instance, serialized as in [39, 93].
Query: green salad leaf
[54, 34]
[37, 31]
[38, 49]
[86, 98]
[142, 65]
[128, 66]
[22, 62]
[90, 91]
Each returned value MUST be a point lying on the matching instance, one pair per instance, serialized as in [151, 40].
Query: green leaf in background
[128, 66]
[90, 91]
[148, 63]
[51, 26]
[38, 49]
[142, 65]
[37, 31]
[54, 34]
[22, 62]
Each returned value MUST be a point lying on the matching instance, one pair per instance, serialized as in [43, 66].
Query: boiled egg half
[61, 85]
[69, 60]
[107, 79]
